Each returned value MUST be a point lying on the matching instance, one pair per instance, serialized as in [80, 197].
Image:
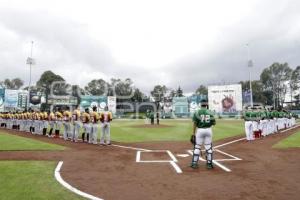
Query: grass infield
[175, 130]
[29, 180]
[10, 142]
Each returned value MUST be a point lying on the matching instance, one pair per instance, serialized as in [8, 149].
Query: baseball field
[150, 162]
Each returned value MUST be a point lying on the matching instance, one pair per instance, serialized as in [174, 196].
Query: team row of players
[262, 123]
[76, 115]
[72, 122]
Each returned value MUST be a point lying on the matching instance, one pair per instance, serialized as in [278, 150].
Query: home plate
[182, 155]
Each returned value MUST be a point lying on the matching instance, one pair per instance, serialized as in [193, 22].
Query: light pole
[29, 62]
[250, 65]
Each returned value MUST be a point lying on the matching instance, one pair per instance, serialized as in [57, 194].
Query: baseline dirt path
[112, 173]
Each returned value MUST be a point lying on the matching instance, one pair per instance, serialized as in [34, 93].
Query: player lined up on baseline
[39, 122]
[35, 122]
[260, 122]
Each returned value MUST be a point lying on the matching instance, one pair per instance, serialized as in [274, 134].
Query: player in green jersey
[203, 119]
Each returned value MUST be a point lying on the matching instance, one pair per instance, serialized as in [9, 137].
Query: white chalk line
[142, 149]
[182, 155]
[289, 128]
[128, 147]
[243, 138]
[173, 163]
[172, 156]
[214, 161]
[138, 156]
[217, 161]
[233, 158]
[227, 143]
[225, 159]
[221, 166]
[222, 152]
[139, 150]
[229, 155]
[68, 186]
[173, 160]
[122, 146]
[218, 164]
[176, 167]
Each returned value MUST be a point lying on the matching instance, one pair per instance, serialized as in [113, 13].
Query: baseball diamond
[135, 169]
[149, 100]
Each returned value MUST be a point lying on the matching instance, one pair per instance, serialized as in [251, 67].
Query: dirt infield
[111, 172]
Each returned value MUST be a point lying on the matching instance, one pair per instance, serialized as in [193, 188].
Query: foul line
[243, 138]
[127, 147]
[217, 161]
[221, 145]
[289, 129]
[227, 154]
[68, 186]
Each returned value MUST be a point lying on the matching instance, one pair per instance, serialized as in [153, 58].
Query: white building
[290, 95]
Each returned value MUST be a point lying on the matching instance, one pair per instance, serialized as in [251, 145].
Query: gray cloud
[273, 34]
[65, 46]
[58, 43]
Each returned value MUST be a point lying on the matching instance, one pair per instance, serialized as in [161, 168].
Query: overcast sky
[169, 42]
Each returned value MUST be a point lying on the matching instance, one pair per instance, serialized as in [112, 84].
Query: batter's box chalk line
[173, 161]
[217, 161]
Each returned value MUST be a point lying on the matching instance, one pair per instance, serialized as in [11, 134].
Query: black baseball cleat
[209, 166]
[194, 165]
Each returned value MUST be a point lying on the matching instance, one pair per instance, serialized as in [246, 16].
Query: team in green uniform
[203, 119]
[265, 122]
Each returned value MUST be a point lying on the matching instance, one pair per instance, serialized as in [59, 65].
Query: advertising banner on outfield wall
[22, 99]
[88, 101]
[63, 100]
[34, 97]
[112, 104]
[2, 93]
[15, 99]
[225, 98]
[11, 99]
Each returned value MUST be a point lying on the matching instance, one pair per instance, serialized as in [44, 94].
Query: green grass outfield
[179, 130]
[9, 142]
[289, 142]
[27, 180]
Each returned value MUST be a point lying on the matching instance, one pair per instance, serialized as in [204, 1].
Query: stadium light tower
[250, 65]
[30, 62]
